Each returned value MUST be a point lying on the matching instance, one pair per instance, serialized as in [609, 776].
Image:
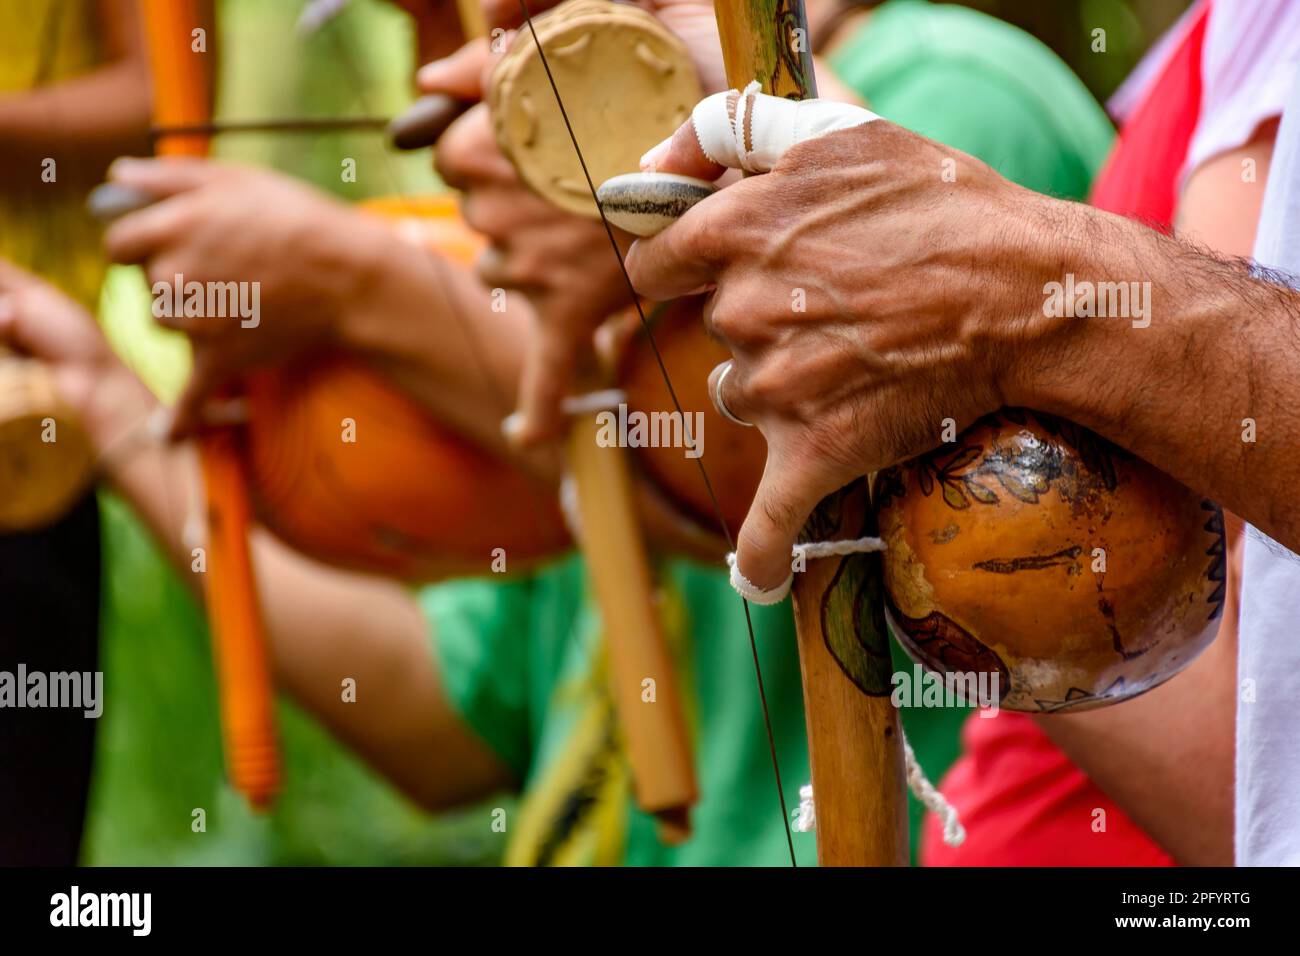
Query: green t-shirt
[516, 656]
[521, 658]
[982, 86]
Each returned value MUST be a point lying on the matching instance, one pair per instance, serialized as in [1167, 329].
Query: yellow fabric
[575, 813]
[43, 42]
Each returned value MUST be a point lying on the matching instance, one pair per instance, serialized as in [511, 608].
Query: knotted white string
[954, 834]
[814, 549]
[805, 816]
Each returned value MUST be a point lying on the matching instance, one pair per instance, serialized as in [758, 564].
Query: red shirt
[1141, 176]
[1022, 801]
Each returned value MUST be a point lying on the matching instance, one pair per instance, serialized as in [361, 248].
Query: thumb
[748, 130]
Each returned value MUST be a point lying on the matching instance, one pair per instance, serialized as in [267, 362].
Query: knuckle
[704, 235]
[765, 388]
[724, 319]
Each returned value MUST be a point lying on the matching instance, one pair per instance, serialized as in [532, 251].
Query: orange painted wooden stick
[183, 97]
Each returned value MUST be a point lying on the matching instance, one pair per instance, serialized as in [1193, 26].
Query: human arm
[87, 120]
[328, 276]
[1167, 756]
[323, 625]
[940, 312]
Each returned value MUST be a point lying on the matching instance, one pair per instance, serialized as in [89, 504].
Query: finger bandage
[765, 127]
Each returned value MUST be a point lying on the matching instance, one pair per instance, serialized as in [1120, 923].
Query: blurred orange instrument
[182, 96]
[413, 499]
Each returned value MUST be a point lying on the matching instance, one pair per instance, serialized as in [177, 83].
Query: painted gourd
[1035, 550]
[410, 497]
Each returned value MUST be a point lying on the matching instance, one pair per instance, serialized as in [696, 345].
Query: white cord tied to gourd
[805, 816]
[954, 834]
[814, 549]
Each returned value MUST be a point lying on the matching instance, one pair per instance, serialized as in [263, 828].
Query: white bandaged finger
[765, 127]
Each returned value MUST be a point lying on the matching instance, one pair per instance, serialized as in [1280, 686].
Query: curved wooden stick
[642, 673]
[854, 736]
[654, 725]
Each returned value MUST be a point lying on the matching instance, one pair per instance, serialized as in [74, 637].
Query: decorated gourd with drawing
[1032, 549]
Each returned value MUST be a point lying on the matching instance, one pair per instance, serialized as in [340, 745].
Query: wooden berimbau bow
[855, 741]
[643, 677]
[182, 98]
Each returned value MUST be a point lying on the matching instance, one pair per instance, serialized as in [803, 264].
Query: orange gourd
[1035, 550]
[1030, 547]
[409, 497]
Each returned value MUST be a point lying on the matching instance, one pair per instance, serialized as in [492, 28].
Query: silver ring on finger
[719, 403]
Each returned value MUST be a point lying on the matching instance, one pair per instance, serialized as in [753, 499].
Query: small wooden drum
[46, 459]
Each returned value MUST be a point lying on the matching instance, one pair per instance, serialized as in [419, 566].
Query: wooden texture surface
[39, 479]
[585, 42]
[658, 747]
[854, 737]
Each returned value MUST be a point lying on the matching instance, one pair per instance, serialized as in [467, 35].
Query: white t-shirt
[1250, 55]
[1249, 62]
[1250, 52]
[1268, 701]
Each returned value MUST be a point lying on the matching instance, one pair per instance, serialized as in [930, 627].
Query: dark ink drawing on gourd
[852, 606]
[944, 646]
[1024, 470]
[1218, 553]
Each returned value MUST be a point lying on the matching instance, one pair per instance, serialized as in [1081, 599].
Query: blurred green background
[1067, 26]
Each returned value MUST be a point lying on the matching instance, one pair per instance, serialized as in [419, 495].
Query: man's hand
[217, 223]
[855, 333]
[561, 262]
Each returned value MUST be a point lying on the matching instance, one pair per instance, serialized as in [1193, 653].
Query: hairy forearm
[1166, 757]
[1221, 351]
